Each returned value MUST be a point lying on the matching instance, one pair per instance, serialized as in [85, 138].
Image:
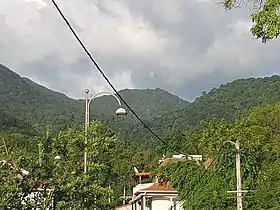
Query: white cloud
[163, 42]
[38, 31]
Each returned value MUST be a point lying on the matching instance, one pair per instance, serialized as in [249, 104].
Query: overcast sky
[183, 46]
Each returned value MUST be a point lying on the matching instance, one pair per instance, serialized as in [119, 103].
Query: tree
[71, 187]
[265, 17]
[75, 189]
[259, 136]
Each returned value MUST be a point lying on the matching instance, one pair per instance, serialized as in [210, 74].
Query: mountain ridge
[40, 106]
[26, 101]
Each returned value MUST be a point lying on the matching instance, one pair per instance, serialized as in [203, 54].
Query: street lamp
[119, 112]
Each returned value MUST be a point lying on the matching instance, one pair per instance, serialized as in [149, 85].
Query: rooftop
[166, 161]
[160, 187]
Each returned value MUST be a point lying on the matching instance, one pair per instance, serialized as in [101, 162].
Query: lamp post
[120, 112]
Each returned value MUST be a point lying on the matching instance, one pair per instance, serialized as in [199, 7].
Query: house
[159, 195]
[142, 175]
[155, 196]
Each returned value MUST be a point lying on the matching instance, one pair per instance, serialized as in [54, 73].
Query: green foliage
[267, 194]
[37, 107]
[226, 103]
[265, 17]
[200, 127]
[259, 136]
[267, 21]
[26, 105]
[110, 160]
[73, 188]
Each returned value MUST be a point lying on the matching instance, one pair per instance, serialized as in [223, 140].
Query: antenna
[136, 170]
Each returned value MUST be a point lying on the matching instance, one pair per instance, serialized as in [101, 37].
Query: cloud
[182, 46]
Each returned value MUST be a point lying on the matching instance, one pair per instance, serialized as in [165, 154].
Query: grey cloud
[176, 45]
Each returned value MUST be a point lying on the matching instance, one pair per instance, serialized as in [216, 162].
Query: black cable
[104, 76]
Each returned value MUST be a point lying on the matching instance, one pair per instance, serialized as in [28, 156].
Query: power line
[104, 76]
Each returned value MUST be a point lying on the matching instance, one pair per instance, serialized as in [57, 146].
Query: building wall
[157, 203]
[164, 204]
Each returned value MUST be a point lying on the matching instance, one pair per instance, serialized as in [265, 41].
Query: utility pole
[86, 129]
[109, 199]
[238, 177]
[239, 192]
[124, 195]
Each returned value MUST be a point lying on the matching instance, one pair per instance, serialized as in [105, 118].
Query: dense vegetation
[37, 124]
[35, 105]
[265, 16]
[226, 102]
[110, 163]
[258, 133]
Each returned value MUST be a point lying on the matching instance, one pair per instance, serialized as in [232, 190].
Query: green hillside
[35, 104]
[228, 100]
[225, 102]
[30, 105]
[27, 108]
[25, 101]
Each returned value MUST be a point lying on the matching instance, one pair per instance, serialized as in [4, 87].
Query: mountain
[224, 102]
[33, 103]
[26, 105]
[38, 107]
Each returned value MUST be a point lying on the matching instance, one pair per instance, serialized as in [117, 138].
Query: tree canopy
[258, 133]
[265, 16]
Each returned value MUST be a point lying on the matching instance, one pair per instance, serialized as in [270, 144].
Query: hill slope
[28, 102]
[221, 103]
[34, 104]
[25, 104]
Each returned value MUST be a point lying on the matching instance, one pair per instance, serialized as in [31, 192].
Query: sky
[182, 46]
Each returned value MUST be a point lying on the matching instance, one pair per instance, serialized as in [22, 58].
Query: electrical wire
[105, 77]
[114, 89]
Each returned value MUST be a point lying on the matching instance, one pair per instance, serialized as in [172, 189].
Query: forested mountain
[25, 102]
[225, 102]
[27, 108]
[32, 105]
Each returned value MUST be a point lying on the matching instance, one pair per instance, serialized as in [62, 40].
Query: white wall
[162, 203]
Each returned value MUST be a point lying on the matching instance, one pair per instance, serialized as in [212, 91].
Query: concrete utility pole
[239, 192]
[124, 193]
[86, 128]
[238, 177]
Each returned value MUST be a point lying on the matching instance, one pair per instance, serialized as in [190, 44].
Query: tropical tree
[258, 133]
[71, 188]
[265, 16]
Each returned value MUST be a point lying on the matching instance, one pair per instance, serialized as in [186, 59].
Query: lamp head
[121, 112]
